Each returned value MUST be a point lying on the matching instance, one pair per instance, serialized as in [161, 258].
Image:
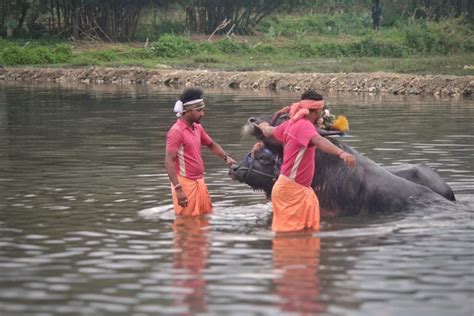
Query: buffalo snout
[252, 120]
[234, 172]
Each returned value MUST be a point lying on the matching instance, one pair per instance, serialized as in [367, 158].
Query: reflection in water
[298, 257]
[191, 239]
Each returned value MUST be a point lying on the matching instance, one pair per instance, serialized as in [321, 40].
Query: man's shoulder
[302, 126]
[199, 127]
[284, 124]
[303, 123]
[178, 125]
[175, 129]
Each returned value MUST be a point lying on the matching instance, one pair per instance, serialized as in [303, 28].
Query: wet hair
[191, 94]
[311, 95]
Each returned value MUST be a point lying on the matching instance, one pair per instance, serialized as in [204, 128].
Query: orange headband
[301, 108]
[311, 104]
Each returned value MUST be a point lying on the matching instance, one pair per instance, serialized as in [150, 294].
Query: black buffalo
[365, 188]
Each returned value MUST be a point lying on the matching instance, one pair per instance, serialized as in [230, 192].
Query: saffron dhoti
[199, 201]
[295, 206]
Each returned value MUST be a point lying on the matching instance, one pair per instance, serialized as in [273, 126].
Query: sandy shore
[392, 83]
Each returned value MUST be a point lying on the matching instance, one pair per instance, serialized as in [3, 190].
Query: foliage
[283, 43]
[440, 37]
[35, 54]
[126, 20]
[320, 24]
[153, 31]
[106, 55]
[170, 45]
[393, 9]
[421, 40]
[242, 16]
[231, 47]
[455, 33]
[368, 47]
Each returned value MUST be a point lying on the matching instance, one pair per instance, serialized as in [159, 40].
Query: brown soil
[438, 85]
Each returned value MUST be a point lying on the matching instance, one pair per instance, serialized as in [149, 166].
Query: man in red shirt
[295, 205]
[183, 160]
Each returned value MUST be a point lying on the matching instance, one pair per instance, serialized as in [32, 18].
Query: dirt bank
[354, 82]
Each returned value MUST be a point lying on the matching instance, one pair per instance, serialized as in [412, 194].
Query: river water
[86, 225]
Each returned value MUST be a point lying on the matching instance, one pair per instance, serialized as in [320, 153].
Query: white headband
[179, 105]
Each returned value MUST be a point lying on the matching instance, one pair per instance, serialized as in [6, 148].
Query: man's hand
[229, 161]
[182, 198]
[263, 125]
[266, 129]
[349, 159]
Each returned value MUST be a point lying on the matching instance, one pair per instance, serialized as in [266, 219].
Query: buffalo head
[259, 171]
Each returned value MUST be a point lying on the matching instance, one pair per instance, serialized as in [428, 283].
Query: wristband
[226, 156]
[177, 187]
[342, 152]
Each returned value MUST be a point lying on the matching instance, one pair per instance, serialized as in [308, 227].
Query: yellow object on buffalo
[341, 124]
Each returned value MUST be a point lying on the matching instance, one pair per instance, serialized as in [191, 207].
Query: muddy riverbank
[392, 83]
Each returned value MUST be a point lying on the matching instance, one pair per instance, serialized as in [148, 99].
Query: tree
[204, 16]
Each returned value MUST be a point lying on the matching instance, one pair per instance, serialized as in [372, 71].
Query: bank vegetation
[423, 37]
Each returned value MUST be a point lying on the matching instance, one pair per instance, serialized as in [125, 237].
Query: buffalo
[365, 188]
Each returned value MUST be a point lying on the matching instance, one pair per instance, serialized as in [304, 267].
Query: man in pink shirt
[183, 160]
[295, 205]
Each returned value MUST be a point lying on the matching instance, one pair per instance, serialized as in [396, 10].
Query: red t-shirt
[298, 152]
[186, 141]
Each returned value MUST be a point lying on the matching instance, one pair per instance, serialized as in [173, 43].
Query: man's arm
[217, 150]
[329, 148]
[266, 129]
[170, 157]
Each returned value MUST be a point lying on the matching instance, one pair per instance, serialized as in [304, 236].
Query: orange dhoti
[199, 201]
[295, 207]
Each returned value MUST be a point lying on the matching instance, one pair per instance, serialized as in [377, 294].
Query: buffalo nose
[233, 171]
[235, 168]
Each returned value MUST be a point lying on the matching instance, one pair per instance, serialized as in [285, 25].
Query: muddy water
[86, 226]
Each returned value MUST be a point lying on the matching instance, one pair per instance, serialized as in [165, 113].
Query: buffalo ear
[252, 129]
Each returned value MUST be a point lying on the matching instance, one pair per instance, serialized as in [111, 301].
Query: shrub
[205, 59]
[40, 55]
[170, 45]
[265, 49]
[62, 52]
[468, 45]
[308, 49]
[31, 55]
[208, 48]
[365, 48]
[14, 55]
[454, 33]
[137, 53]
[320, 24]
[153, 32]
[105, 55]
[371, 48]
[421, 40]
[231, 47]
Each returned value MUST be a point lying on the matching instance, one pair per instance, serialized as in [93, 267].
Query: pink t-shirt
[186, 141]
[298, 152]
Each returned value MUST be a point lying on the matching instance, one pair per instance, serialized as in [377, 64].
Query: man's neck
[187, 122]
